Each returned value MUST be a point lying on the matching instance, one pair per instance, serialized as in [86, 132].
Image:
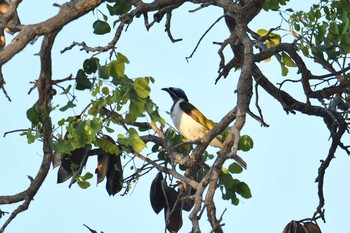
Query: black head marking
[176, 93]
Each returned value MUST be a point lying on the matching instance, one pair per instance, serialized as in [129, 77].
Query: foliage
[324, 32]
[274, 4]
[102, 116]
[121, 124]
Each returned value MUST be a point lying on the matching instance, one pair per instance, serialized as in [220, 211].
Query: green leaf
[157, 118]
[33, 116]
[87, 176]
[63, 147]
[105, 17]
[244, 190]
[296, 26]
[117, 68]
[226, 179]
[93, 111]
[31, 137]
[66, 90]
[234, 168]
[101, 27]
[234, 200]
[287, 60]
[120, 7]
[82, 82]
[90, 65]
[61, 122]
[70, 104]
[103, 72]
[245, 143]
[107, 146]
[273, 5]
[142, 88]
[123, 58]
[136, 142]
[83, 184]
[321, 32]
[273, 40]
[95, 126]
[152, 79]
[109, 130]
[105, 90]
[305, 51]
[136, 108]
[346, 23]
[284, 70]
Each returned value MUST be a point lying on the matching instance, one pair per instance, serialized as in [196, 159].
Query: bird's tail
[240, 161]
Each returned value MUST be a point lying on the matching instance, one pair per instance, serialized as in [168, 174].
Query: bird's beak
[165, 89]
[171, 93]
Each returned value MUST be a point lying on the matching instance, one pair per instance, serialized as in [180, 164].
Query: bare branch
[172, 172]
[43, 103]
[2, 85]
[167, 28]
[68, 12]
[202, 37]
[203, 5]
[98, 49]
[334, 121]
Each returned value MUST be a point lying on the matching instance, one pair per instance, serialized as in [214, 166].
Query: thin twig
[219, 221]
[258, 107]
[15, 131]
[203, 5]
[259, 119]
[332, 74]
[2, 85]
[288, 80]
[202, 37]
[172, 172]
[98, 49]
[167, 28]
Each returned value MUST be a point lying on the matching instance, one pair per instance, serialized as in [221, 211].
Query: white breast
[188, 127]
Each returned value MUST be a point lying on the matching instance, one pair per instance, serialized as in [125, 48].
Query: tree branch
[68, 12]
[44, 104]
[333, 120]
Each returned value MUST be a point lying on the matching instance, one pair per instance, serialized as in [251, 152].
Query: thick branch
[209, 199]
[68, 12]
[44, 108]
[172, 172]
[334, 121]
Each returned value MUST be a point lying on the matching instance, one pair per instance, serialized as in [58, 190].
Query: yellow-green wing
[197, 116]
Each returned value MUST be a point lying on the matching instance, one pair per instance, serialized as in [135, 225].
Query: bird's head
[176, 93]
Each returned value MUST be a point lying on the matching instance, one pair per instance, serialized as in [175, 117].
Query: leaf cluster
[118, 102]
[325, 30]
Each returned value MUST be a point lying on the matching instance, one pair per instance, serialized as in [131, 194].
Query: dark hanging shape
[295, 227]
[172, 208]
[187, 191]
[312, 227]
[102, 165]
[75, 158]
[156, 194]
[114, 175]
[56, 160]
[114, 169]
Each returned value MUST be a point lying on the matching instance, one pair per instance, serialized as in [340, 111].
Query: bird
[190, 122]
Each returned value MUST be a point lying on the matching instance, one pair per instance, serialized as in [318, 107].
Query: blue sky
[281, 167]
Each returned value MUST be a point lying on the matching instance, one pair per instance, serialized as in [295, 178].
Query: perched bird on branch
[190, 122]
